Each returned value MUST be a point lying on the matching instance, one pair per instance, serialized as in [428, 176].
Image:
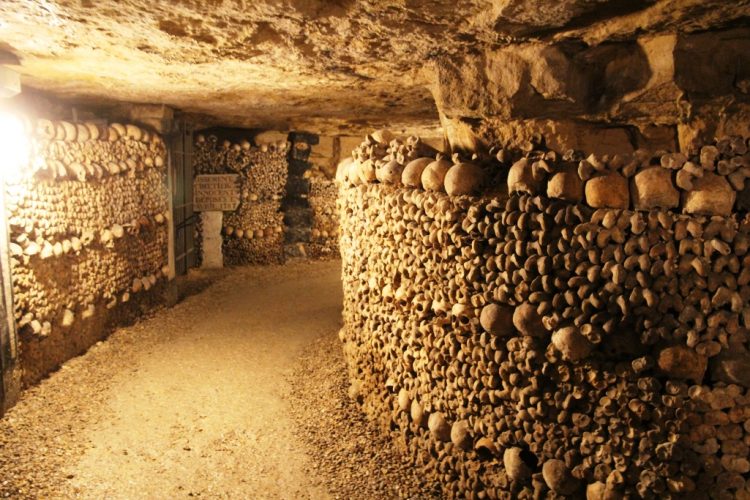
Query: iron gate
[182, 199]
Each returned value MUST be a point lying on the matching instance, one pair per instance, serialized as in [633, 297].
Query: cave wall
[88, 229]
[545, 324]
[665, 91]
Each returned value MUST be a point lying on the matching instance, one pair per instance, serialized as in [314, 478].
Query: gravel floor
[237, 392]
[350, 457]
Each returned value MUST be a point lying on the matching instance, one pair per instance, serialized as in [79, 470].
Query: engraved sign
[219, 192]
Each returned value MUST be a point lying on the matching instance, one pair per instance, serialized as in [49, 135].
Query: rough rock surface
[309, 63]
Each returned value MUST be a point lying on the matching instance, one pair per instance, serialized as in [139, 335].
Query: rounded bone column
[534, 344]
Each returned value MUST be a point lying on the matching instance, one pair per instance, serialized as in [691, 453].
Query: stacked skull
[254, 233]
[88, 223]
[556, 342]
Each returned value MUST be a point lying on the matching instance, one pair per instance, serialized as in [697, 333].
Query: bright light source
[14, 146]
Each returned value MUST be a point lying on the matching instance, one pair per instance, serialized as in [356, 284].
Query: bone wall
[254, 233]
[324, 233]
[309, 207]
[88, 236]
[538, 324]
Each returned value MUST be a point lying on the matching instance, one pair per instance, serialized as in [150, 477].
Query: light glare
[14, 146]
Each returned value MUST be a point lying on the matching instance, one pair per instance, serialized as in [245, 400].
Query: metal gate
[9, 379]
[181, 149]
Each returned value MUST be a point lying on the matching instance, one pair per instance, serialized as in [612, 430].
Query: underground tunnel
[354, 249]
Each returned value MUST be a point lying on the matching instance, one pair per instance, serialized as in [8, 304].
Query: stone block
[212, 239]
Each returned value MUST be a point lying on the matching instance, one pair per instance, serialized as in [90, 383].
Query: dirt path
[187, 403]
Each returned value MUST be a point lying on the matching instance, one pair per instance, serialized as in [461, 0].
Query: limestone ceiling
[320, 65]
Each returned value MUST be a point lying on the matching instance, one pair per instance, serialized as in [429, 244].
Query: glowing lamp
[14, 146]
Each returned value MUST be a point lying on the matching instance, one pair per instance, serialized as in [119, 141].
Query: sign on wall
[216, 192]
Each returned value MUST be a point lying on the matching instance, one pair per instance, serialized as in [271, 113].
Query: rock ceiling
[319, 65]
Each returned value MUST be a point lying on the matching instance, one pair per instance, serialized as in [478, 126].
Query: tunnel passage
[90, 218]
[543, 238]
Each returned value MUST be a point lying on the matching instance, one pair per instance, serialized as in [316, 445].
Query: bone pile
[88, 223]
[254, 233]
[382, 146]
[583, 336]
[324, 234]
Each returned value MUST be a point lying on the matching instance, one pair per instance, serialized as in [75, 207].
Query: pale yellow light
[14, 146]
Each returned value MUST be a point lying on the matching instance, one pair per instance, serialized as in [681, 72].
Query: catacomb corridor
[357, 249]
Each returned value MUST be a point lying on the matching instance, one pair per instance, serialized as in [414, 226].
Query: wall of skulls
[534, 324]
[324, 234]
[254, 233]
[88, 233]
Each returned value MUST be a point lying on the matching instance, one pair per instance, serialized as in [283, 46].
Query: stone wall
[88, 236]
[547, 324]
[254, 233]
[658, 91]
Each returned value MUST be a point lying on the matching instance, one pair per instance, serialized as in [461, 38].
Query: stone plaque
[216, 192]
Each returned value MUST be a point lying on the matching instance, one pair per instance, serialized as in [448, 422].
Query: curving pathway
[191, 402]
